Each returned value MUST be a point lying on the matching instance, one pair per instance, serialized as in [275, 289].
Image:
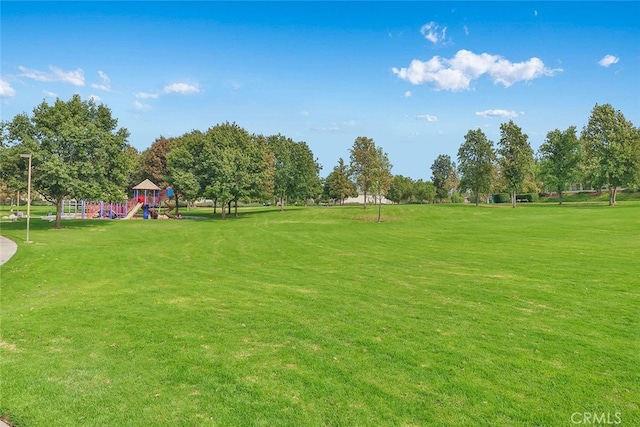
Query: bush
[501, 198]
[529, 197]
[457, 198]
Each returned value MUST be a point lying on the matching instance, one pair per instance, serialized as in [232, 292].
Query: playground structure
[81, 209]
[148, 198]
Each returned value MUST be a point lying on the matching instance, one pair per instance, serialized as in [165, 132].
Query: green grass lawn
[440, 315]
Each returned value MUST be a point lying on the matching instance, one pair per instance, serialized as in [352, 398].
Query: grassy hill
[440, 315]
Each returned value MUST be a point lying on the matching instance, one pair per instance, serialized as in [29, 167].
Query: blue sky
[414, 76]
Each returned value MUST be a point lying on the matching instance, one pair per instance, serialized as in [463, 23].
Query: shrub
[529, 197]
[457, 198]
[501, 198]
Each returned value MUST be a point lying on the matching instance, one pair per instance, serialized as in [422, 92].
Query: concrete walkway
[7, 248]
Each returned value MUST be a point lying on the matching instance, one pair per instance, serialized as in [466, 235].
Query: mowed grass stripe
[439, 315]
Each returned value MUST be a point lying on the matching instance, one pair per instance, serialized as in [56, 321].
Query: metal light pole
[28, 156]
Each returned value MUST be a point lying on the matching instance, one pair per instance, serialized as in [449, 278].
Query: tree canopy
[296, 172]
[78, 151]
[560, 157]
[515, 157]
[476, 163]
[362, 157]
[338, 184]
[380, 177]
[612, 148]
[444, 176]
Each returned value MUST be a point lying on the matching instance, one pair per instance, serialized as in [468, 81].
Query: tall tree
[476, 161]
[188, 166]
[380, 177]
[401, 189]
[612, 147]
[77, 150]
[444, 176]
[560, 157]
[424, 191]
[285, 174]
[362, 159]
[296, 175]
[515, 158]
[153, 161]
[262, 169]
[308, 184]
[338, 184]
[235, 162]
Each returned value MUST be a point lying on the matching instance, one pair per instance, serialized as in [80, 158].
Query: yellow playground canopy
[146, 185]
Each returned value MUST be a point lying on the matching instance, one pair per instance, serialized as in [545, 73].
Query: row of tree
[79, 152]
[607, 154]
[227, 164]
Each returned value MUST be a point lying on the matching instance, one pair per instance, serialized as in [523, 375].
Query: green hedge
[529, 197]
[506, 198]
[501, 198]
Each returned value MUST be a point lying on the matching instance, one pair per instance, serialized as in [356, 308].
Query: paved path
[7, 249]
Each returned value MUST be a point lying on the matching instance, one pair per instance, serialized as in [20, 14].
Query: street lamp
[28, 156]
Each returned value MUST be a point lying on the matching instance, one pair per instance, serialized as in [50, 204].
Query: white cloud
[6, 91]
[466, 30]
[304, 113]
[182, 88]
[458, 72]
[95, 98]
[40, 76]
[49, 94]
[145, 95]
[106, 82]
[334, 127]
[407, 94]
[432, 32]
[497, 113]
[56, 75]
[608, 60]
[427, 117]
[139, 106]
[74, 77]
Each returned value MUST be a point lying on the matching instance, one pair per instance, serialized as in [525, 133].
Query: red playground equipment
[148, 197]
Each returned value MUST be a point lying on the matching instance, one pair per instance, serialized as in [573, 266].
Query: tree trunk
[365, 200]
[513, 199]
[379, 209]
[281, 203]
[229, 207]
[215, 204]
[175, 198]
[58, 223]
[223, 211]
[560, 196]
[612, 195]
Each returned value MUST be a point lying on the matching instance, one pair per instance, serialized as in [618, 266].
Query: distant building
[371, 200]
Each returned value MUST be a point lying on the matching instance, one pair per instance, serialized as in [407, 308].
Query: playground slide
[169, 207]
[134, 210]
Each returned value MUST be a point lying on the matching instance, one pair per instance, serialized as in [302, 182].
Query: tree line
[78, 151]
[606, 154]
